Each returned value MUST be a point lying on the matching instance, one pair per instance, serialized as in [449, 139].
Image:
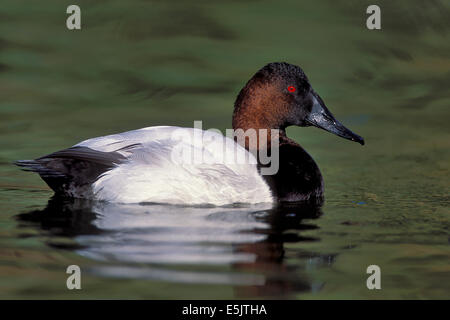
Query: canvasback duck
[143, 166]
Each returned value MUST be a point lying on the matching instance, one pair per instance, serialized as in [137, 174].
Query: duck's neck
[298, 177]
[254, 111]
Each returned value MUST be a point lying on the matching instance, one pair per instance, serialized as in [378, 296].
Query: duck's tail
[71, 172]
[38, 167]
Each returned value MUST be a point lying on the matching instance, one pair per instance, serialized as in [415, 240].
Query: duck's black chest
[298, 177]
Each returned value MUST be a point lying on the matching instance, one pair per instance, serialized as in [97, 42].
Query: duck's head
[280, 95]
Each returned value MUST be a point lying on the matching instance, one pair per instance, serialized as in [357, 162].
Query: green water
[147, 63]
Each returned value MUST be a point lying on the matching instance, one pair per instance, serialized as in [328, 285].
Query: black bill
[321, 117]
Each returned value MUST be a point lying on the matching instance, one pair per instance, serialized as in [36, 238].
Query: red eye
[291, 89]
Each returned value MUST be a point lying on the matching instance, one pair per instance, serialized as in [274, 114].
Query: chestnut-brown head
[280, 95]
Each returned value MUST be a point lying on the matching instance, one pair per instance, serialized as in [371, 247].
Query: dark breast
[298, 177]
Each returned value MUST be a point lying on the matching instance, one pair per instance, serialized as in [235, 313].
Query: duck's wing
[182, 166]
[155, 164]
[122, 141]
[170, 143]
[72, 171]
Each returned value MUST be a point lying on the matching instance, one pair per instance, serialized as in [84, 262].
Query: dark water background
[141, 63]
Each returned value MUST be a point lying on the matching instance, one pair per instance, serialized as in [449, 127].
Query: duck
[154, 164]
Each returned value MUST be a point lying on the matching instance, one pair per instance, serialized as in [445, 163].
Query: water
[152, 63]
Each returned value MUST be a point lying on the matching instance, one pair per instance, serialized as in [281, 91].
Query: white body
[153, 171]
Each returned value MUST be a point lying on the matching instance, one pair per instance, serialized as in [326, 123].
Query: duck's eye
[291, 89]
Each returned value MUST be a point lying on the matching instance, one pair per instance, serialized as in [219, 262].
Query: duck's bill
[322, 118]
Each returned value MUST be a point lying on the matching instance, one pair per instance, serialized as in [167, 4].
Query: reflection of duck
[139, 166]
[282, 280]
[63, 217]
[155, 242]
